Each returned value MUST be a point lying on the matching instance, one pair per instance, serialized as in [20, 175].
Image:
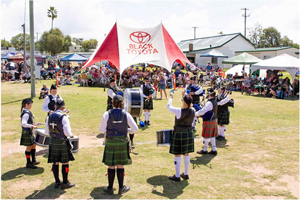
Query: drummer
[58, 127]
[115, 124]
[182, 142]
[27, 138]
[111, 92]
[148, 92]
[210, 128]
[223, 113]
[49, 102]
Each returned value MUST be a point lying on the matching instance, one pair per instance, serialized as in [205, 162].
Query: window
[214, 60]
[267, 57]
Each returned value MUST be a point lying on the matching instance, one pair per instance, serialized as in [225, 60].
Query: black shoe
[108, 190]
[184, 176]
[220, 138]
[213, 152]
[36, 162]
[145, 122]
[148, 122]
[67, 185]
[174, 178]
[124, 189]
[57, 185]
[30, 165]
[202, 152]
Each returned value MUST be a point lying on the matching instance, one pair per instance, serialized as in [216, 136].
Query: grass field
[259, 159]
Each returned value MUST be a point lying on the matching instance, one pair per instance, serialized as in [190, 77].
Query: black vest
[196, 98]
[30, 119]
[109, 100]
[51, 104]
[215, 108]
[116, 123]
[55, 125]
[184, 123]
[147, 91]
[223, 108]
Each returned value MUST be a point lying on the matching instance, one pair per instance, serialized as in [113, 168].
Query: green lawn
[260, 158]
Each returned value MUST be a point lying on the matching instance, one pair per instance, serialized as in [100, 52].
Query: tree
[52, 41]
[18, 41]
[255, 34]
[78, 41]
[89, 44]
[271, 37]
[6, 44]
[67, 43]
[52, 13]
[285, 41]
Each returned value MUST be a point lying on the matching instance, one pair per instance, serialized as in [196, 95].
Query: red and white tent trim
[126, 46]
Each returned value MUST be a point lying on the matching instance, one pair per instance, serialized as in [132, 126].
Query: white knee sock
[224, 129]
[194, 122]
[149, 115]
[221, 131]
[145, 114]
[177, 162]
[186, 164]
[205, 142]
[213, 143]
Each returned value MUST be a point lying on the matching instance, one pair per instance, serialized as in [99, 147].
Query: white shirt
[223, 101]
[24, 120]
[208, 107]
[47, 101]
[130, 121]
[197, 92]
[142, 86]
[176, 111]
[111, 93]
[65, 123]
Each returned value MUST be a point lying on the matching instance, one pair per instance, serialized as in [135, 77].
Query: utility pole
[195, 31]
[32, 68]
[245, 16]
[37, 36]
[24, 35]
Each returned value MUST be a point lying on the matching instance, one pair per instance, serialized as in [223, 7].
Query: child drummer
[27, 138]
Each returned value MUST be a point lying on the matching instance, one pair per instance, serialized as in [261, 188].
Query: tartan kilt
[148, 105]
[223, 118]
[116, 151]
[210, 129]
[27, 138]
[182, 143]
[59, 151]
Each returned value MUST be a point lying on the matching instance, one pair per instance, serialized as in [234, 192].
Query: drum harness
[117, 122]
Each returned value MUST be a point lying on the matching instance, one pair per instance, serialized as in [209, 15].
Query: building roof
[265, 49]
[211, 42]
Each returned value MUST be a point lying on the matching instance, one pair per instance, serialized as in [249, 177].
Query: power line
[194, 27]
[245, 16]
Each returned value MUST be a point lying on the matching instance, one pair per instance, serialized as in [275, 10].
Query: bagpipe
[195, 89]
[230, 103]
[207, 116]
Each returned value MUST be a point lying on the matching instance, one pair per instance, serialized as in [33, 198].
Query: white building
[226, 44]
[75, 47]
[266, 53]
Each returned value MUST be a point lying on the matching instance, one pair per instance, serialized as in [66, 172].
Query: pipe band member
[115, 124]
[210, 128]
[58, 127]
[50, 100]
[27, 138]
[195, 90]
[111, 92]
[182, 142]
[223, 113]
[148, 93]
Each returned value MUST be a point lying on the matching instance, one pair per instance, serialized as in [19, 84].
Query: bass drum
[133, 101]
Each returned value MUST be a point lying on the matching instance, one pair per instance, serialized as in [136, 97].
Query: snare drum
[164, 136]
[41, 139]
[75, 143]
[133, 101]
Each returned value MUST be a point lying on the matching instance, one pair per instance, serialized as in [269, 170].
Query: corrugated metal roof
[207, 42]
[265, 49]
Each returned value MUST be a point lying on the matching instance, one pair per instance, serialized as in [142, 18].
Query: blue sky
[94, 18]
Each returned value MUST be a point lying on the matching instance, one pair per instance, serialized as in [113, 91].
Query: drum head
[133, 101]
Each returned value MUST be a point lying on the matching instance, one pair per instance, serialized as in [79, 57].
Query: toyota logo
[140, 37]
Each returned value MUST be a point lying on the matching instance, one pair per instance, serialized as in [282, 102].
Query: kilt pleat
[182, 143]
[148, 105]
[116, 151]
[223, 118]
[27, 139]
[59, 151]
[210, 129]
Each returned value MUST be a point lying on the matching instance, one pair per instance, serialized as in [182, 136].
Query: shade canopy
[6, 56]
[244, 58]
[214, 53]
[125, 46]
[74, 57]
[282, 62]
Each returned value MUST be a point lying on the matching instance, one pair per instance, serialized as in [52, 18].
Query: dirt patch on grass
[7, 133]
[269, 197]
[24, 185]
[256, 169]
[88, 140]
[292, 184]
[259, 154]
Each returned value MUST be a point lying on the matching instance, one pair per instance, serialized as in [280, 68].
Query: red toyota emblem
[140, 37]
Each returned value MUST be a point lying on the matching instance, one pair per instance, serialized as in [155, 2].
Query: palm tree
[52, 13]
